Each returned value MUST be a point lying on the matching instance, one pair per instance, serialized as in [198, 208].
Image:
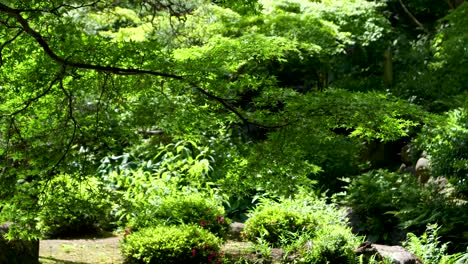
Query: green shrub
[275, 223]
[194, 208]
[446, 144]
[386, 200]
[372, 195]
[280, 222]
[172, 244]
[427, 247]
[333, 244]
[165, 188]
[149, 201]
[430, 249]
[72, 207]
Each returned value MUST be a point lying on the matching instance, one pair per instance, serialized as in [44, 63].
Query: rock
[235, 231]
[422, 170]
[406, 169]
[397, 254]
[17, 251]
[407, 154]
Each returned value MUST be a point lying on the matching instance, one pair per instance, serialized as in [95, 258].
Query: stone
[407, 154]
[17, 251]
[422, 170]
[235, 231]
[406, 169]
[397, 254]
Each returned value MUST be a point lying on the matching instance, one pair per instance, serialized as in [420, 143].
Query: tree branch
[413, 18]
[45, 46]
[6, 43]
[28, 102]
[16, 14]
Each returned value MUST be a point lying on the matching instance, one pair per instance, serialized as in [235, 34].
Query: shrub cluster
[307, 228]
[386, 200]
[73, 207]
[172, 244]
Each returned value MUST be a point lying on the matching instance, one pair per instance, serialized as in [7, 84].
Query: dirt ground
[81, 251]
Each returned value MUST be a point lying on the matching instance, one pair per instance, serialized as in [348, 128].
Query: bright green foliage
[430, 249]
[333, 244]
[276, 224]
[151, 188]
[196, 208]
[385, 200]
[446, 144]
[143, 200]
[306, 227]
[172, 244]
[279, 222]
[70, 207]
[427, 247]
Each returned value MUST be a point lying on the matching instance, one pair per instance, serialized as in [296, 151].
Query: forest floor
[107, 250]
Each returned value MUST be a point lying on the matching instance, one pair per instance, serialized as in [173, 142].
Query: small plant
[172, 244]
[276, 223]
[427, 246]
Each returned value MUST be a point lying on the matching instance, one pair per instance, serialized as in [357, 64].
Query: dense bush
[333, 244]
[447, 147]
[172, 244]
[385, 201]
[275, 223]
[430, 249]
[166, 185]
[372, 195]
[308, 228]
[71, 207]
[194, 208]
[143, 199]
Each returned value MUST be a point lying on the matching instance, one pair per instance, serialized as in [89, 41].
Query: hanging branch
[413, 18]
[16, 14]
[28, 102]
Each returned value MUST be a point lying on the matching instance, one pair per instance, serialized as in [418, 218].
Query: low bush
[194, 208]
[275, 223]
[372, 195]
[172, 244]
[387, 201]
[333, 244]
[309, 229]
[73, 207]
[430, 249]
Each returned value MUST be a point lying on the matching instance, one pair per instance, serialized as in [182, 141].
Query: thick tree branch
[413, 18]
[16, 14]
[45, 46]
